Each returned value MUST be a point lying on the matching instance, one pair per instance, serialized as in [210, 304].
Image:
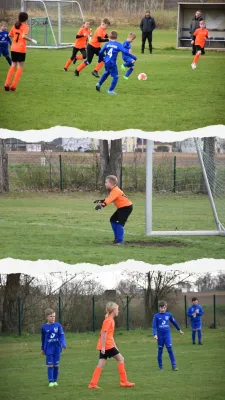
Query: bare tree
[110, 160]
[10, 301]
[206, 283]
[4, 178]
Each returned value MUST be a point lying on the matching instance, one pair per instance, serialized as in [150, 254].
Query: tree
[10, 303]
[110, 160]
[209, 163]
[206, 283]
[220, 282]
[4, 179]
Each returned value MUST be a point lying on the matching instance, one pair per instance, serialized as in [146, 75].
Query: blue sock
[9, 60]
[103, 78]
[114, 228]
[120, 233]
[130, 70]
[199, 335]
[193, 335]
[50, 374]
[55, 373]
[160, 352]
[127, 64]
[171, 356]
[114, 83]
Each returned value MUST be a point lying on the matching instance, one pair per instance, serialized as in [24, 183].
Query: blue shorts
[4, 51]
[164, 341]
[112, 70]
[129, 61]
[53, 359]
[196, 324]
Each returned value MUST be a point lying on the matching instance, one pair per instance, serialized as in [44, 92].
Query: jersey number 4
[110, 53]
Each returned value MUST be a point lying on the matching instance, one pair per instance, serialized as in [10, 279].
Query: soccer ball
[142, 76]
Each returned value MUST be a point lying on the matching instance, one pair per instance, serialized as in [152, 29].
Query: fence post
[185, 308]
[60, 309]
[174, 174]
[19, 316]
[128, 318]
[93, 313]
[60, 172]
[214, 311]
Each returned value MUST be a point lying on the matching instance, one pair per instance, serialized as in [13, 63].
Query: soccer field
[200, 375]
[173, 98]
[65, 227]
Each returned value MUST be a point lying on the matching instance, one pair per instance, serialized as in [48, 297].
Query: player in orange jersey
[19, 33]
[79, 45]
[123, 205]
[199, 38]
[94, 47]
[107, 348]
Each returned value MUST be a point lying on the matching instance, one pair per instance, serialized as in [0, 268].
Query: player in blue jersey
[195, 313]
[4, 42]
[52, 342]
[128, 61]
[161, 332]
[109, 54]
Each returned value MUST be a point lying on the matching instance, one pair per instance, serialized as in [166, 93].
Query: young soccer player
[18, 50]
[128, 61]
[107, 349]
[93, 48]
[199, 38]
[4, 42]
[161, 332]
[123, 205]
[52, 342]
[109, 54]
[195, 313]
[79, 45]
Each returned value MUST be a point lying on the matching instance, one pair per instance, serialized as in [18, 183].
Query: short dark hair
[194, 299]
[147, 12]
[23, 17]
[162, 303]
[113, 35]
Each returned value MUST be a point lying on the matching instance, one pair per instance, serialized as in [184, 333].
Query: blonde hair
[131, 34]
[49, 311]
[109, 308]
[3, 23]
[112, 179]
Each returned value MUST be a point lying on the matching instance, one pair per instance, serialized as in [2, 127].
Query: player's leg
[115, 75]
[121, 369]
[193, 332]
[98, 66]
[50, 363]
[71, 59]
[168, 344]
[122, 217]
[193, 49]
[196, 57]
[83, 55]
[5, 53]
[199, 330]
[113, 222]
[144, 37]
[90, 55]
[11, 71]
[160, 352]
[97, 372]
[56, 367]
[150, 41]
[19, 71]
[130, 70]
[102, 79]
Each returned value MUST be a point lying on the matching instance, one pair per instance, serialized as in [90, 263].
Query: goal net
[53, 23]
[185, 188]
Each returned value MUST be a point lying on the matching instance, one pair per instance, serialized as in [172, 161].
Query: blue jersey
[110, 51]
[161, 324]
[4, 39]
[126, 45]
[196, 317]
[52, 338]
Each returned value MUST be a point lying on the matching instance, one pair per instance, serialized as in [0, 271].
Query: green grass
[200, 375]
[173, 98]
[65, 227]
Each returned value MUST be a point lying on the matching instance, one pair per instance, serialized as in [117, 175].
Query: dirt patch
[154, 244]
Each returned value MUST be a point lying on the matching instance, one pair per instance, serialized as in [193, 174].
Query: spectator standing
[147, 26]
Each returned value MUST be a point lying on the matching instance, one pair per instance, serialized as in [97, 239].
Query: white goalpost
[213, 179]
[50, 21]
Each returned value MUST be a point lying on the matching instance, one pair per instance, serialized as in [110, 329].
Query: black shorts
[18, 57]
[91, 51]
[76, 50]
[121, 215]
[199, 48]
[109, 353]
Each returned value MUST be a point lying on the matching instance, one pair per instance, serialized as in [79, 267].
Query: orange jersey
[108, 327]
[118, 198]
[100, 32]
[19, 44]
[200, 36]
[80, 43]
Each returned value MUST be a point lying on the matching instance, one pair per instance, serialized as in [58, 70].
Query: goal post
[214, 189]
[51, 31]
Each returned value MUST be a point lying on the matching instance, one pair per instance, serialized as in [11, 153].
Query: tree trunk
[110, 160]
[10, 303]
[4, 179]
[209, 163]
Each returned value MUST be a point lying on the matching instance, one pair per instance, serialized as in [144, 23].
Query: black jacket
[147, 24]
[195, 23]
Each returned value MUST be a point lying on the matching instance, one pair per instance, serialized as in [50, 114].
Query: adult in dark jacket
[147, 26]
[195, 25]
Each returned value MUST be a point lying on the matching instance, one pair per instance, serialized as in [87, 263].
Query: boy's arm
[103, 335]
[62, 338]
[174, 322]
[154, 326]
[127, 53]
[201, 312]
[9, 40]
[42, 339]
[189, 312]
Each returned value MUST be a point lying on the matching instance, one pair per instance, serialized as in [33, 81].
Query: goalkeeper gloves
[98, 208]
[34, 41]
[99, 201]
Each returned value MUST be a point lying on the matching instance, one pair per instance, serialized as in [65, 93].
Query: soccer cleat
[127, 384]
[56, 384]
[65, 69]
[118, 244]
[126, 78]
[193, 343]
[200, 343]
[93, 386]
[12, 88]
[97, 87]
[95, 73]
[6, 88]
[193, 65]
[175, 369]
[111, 92]
[123, 68]
[76, 73]
[51, 384]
